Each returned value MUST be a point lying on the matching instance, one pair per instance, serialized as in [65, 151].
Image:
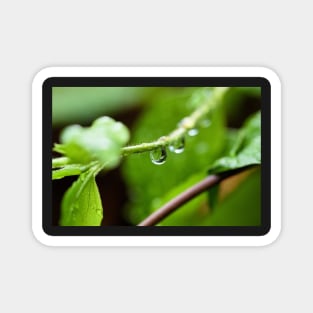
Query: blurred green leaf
[213, 196]
[67, 170]
[193, 211]
[83, 104]
[148, 183]
[239, 102]
[242, 207]
[151, 186]
[246, 149]
[81, 204]
[101, 142]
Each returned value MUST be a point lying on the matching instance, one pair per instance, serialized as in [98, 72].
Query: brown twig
[187, 195]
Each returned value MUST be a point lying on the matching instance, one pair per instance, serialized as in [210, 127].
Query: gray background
[37, 34]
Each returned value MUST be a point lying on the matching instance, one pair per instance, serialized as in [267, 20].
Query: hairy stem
[183, 127]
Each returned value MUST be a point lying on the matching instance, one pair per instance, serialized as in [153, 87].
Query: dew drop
[193, 132]
[158, 156]
[205, 123]
[178, 145]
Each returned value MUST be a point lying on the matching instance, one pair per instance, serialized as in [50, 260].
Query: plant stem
[183, 127]
[187, 195]
[184, 197]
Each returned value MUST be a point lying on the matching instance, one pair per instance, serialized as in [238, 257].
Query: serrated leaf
[81, 204]
[101, 142]
[246, 149]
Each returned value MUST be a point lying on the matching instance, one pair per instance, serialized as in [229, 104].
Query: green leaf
[70, 170]
[81, 204]
[101, 142]
[193, 211]
[213, 196]
[59, 162]
[246, 149]
[242, 207]
[241, 101]
[83, 104]
[148, 182]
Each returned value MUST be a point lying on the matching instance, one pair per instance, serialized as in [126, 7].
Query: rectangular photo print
[159, 156]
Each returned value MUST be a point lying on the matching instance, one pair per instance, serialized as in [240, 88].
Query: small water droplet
[205, 123]
[158, 156]
[178, 145]
[193, 132]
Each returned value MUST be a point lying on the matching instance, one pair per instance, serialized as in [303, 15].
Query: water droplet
[158, 156]
[193, 132]
[205, 123]
[178, 145]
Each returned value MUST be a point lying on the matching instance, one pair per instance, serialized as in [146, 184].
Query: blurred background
[137, 187]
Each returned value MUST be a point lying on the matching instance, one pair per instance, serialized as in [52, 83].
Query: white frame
[156, 240]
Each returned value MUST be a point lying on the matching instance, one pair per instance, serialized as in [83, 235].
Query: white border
[156, 240]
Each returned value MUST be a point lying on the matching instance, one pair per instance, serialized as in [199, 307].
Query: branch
[183, 126]
[187, 195]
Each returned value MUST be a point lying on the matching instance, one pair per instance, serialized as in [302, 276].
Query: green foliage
[88, 150]
[101, 142]
[246, 149]
[242, 207]
[213, 196]
[235, 101]
[71, 104]
[193, 211]
[68, 170]
[148, 184]
[81, 204]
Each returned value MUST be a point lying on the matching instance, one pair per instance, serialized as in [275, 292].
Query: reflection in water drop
[193, 132]
[178, 145]
[158, 156]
